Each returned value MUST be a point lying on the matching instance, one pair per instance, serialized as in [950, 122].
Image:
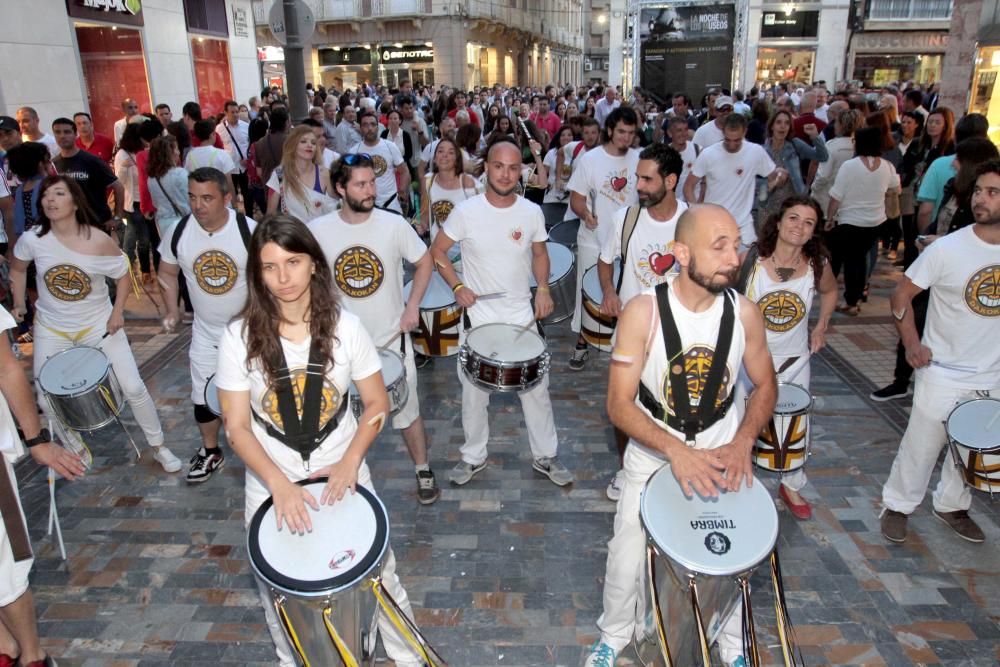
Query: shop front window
[985, 92]
[114, 68]
[877, 71]
[785, 65]
[211, 73]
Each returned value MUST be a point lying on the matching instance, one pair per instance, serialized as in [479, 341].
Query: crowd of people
[713, 228]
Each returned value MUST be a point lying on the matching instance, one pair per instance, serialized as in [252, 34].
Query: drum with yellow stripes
[783, 445]
[595, 327]
[436, 334]
[973, 429]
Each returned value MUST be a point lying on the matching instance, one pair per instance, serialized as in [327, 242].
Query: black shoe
[203, 465]
[427, 487]
[421, 360]
[890, 391]
[579, 358]
[962, 524]
[894, 526]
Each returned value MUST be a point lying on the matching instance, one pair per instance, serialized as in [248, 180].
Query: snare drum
[973, 430]
[596, 328]
[783, 445]
[504, 357]
[320, 582]
[212, 397]
[440, 318]
[562, 282]
[394, 376]
[81, 388]
[700, 552]
[565, 233]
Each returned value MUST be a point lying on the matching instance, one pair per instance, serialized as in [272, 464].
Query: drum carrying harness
[303, 435]
[691, 421]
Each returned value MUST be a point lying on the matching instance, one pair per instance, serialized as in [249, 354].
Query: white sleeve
[612, 249]
[228, 166]
[361, 352]
[411, 246]
[231, 372]
[6, 321]
[454, 226]
[765, 165]
[540, 235]
[24, 248]
[274, 182]
[837, 191]
[926, 268]
[166, 252]
[394, 154]
[578, 182]
[700, 166]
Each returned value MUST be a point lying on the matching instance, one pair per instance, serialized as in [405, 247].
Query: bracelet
[542, 288]
[454, 290]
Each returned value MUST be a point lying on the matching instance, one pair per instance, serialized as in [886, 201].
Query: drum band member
[786, 269]
[285, 365]
[643, 237]
[952, 362]
[73, 255]
[366, 247]
[675, 363]
[210, 247]
[502, 238]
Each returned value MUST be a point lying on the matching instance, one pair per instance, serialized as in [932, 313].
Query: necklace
[786, 272]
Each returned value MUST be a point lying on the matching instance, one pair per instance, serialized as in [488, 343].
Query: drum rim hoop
[82, 392]
[504, 364]
[958, 443]
[336, 584]
[616, 268]
[798, 411]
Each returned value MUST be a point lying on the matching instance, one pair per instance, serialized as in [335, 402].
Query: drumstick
[524, 328]
[491, 295]
[391, 340]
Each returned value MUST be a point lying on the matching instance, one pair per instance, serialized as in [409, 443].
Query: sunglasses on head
[353, 159]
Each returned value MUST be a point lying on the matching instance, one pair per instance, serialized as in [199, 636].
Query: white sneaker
[166, 458]
[614, 490]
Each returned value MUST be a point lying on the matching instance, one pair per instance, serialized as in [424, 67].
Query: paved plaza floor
[508, 570]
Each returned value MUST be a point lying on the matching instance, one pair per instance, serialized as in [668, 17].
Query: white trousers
[919, 449]
[586, 257]
[48, 343]
[624, 578]
[204, 359]
[395, 646]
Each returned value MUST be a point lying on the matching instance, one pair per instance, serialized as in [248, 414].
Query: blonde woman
[300, 185]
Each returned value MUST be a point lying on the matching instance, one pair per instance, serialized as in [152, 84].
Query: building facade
[64, 56]
[462, 43]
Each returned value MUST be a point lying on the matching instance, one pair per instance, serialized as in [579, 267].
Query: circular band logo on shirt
[67, 282]
[782, 310]
[215, 272]
[329, 400]
[440, 210]
[697, 362]
[982, 292]
[378, 163]
[358, 272]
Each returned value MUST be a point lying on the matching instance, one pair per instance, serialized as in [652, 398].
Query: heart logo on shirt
[516, 234]
[739, 172]
[660, 263]
[618, 183]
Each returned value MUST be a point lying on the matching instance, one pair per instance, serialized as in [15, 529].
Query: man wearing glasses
[711, 132]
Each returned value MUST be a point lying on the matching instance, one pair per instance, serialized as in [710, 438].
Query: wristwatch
[40, 439]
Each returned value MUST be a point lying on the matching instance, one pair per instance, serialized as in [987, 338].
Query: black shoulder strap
[631, 218]
[694, 421]
[746, 269]
[241, 222]
[175, 239]
[298, 432]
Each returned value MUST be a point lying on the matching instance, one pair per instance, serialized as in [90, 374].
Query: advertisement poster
[686, 49]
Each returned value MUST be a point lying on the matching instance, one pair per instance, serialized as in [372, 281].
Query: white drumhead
[976, 424]
[592, 282]
[792, 398]
[506, 342]
[437, 296]
[719, 536]
[73, 371]
[212, 397]
[347, 538]
[560, 262]
[392, 366]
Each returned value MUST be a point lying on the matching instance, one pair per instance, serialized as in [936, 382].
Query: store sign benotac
[416, 54]
[127, 12]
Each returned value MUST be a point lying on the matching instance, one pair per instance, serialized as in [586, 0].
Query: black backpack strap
[241, 222]
[746, 269]
[175, 238]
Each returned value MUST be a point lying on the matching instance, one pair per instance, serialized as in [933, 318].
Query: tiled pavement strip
[508, 570]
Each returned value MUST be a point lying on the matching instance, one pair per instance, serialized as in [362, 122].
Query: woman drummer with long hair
[293, 332]
[792, 266]
[73, 256]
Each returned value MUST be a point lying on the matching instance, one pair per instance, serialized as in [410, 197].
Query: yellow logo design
[67, 282]
[215, 272]
[378, 163]
[782, 310]
[329, 401]
[982, 292]
[697, 363]
[440, 210]
[358, 272]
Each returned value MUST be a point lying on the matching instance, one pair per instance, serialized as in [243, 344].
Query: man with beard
[366, 249]
[567, 156]
[705, 315]
[643, 236]
[392, 177]
[953, 365]
[502, 239]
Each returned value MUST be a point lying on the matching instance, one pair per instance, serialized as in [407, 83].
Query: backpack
[241, 222]
[631, 219]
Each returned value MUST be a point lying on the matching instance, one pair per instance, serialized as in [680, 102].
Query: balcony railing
[909, 10]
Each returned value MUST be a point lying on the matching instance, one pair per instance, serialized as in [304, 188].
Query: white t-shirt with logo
[72, 293]
[366, 260]
[354, 358]
[214, 266]
[963, 317]
[10, 443]
[688, 155]
[210, 156]
[608, 183]
[731, 180]
[708, 134]
[497, 255]
[385, 158]
[650, 255]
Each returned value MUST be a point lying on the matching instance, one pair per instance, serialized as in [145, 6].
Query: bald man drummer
[675, 364]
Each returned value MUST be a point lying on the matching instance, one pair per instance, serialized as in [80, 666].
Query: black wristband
[40, 439]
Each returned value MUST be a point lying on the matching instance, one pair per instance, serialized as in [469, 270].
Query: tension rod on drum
[107, 399]
[405, 626]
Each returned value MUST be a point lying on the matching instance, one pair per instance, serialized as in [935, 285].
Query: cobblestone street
[508, 570]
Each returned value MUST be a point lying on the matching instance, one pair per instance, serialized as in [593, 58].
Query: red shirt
[145, 200]
[103, 147]
[473, 116]
[550, 123]
[803, 120]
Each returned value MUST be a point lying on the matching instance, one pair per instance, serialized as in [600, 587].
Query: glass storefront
[114, 68]
[211, 74]
[785, 65]
[985, 93]
[875, 71]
